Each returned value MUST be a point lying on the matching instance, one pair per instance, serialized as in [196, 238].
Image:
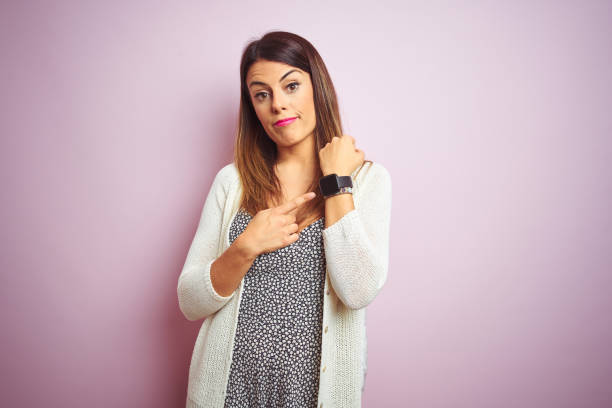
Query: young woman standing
[292, 245]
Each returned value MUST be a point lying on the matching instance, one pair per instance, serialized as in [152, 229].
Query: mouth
[285, 122]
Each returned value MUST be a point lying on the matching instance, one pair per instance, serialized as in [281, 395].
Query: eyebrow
[263, 83]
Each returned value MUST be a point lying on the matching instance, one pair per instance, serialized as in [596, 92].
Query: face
[279, 91]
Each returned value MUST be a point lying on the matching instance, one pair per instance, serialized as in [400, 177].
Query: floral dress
[277, 346]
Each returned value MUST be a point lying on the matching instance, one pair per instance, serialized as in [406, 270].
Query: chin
[287, 140]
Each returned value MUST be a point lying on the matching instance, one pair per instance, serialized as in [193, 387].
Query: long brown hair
[255, 154]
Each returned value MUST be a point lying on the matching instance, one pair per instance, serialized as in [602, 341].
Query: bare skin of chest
[292, 187]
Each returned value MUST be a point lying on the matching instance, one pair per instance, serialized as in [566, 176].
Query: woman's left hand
[340, 156]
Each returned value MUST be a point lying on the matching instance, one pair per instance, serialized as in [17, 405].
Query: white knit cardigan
[357, 256]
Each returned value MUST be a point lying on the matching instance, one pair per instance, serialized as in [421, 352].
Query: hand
[274, 227]
[340, 156]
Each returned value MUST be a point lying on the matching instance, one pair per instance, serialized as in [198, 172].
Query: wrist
[337, 172]
[245, 248]
[334, 184]
[343, 191]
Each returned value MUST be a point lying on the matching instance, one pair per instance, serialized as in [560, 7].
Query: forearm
[337, 206]
[227, 271]
[357, 241]
[356, 270]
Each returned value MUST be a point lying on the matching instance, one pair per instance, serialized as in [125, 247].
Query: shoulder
[229, 171]
[380, 171]
[372, 173]
[226, 177]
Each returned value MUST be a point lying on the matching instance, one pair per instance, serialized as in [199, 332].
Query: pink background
[493, 119]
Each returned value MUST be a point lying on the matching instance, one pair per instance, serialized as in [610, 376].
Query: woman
[286, 255]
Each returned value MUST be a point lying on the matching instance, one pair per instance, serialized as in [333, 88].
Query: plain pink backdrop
[493, 119]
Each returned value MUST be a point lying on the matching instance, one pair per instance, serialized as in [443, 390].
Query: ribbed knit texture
[357, 257]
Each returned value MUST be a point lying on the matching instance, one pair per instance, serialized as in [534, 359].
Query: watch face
[329, 184]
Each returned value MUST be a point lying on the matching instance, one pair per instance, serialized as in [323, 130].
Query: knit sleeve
[196, 295]
[357, 245]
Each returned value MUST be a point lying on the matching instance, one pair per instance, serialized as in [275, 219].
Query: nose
[278, 102]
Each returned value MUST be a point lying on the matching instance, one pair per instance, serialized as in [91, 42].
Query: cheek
[307, 105]
[260, 115]
[311, 108]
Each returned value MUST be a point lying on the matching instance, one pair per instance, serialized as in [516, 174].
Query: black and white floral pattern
[277, 347]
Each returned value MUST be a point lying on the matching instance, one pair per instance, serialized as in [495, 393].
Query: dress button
[325, 329]
[321, 405]
[327, 293]
[324, 368]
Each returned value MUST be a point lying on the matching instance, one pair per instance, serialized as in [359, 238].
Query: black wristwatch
[332, 185]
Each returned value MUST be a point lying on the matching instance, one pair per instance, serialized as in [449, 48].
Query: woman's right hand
[274, 227]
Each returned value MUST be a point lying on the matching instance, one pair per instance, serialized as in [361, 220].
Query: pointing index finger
[293, 204]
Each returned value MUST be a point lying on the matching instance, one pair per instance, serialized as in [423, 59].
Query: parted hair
[255, 154]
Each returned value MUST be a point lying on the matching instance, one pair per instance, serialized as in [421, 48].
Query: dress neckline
[306, 227]
[311, 224]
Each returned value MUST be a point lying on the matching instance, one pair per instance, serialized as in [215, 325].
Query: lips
[284, 122]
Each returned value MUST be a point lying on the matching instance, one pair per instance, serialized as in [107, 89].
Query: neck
[299, 158]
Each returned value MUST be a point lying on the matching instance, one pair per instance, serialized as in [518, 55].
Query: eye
[293, 86]
[260, 95]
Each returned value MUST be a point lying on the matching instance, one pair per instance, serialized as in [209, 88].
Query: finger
[349, 137]
[291, 228]
[290, 219]
[361, 154]
[292, 238]
[296, 202]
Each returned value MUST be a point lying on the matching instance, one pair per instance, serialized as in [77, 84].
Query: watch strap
[332, 184]
[345, 181]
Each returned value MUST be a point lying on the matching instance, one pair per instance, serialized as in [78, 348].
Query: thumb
[361, 154]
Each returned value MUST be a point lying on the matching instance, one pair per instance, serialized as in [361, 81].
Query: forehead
[270, 70]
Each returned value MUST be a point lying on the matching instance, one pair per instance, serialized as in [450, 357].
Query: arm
[357, 244]
[196, 294]
[227, 271]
